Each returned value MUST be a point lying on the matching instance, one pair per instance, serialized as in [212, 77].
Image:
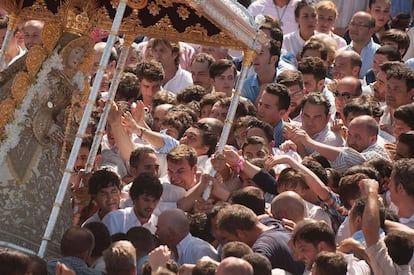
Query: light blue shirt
[251, 87]
[367, 56]
[278, 133]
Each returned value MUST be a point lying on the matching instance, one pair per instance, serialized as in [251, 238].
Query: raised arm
[122, 139]
[312, 180]
[371, 216]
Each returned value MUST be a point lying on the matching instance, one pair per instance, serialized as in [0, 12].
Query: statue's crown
[78, 16]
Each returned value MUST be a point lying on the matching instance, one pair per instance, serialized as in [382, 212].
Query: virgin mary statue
[40, 106]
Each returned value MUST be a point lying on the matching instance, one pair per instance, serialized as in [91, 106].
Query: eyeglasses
[346, 95]
[359, 25]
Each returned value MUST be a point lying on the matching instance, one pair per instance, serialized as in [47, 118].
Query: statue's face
[75, 56]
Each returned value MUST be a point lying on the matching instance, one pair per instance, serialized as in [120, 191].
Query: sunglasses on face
[345, 95]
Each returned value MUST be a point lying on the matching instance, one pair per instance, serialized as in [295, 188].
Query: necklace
[280, 17]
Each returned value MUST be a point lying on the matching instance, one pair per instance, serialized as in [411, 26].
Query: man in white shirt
[145, 193]
[281, 10]
[168, 54]
[13, 51]
[104, 188]
[173, 229]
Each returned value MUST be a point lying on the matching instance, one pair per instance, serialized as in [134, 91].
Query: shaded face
[262, 61]
[148, 89]
[296, 95]
[158, 116]
[182, 174]
[326, 21]
[306, 252]
[310, 84]
[397, 93]
[31, 35]
[359, 29]
[252, 151]
[380, 10]
[132, 59]
[314, 118]
[402, 151]
[144, 206]
[254, 131]
[171, 131]
[342, 67]
[268, 109]
[378, 60]
[82, 158]
[148, 163]
[358, 137]
[108, 199]
[344, 93]
[206, 111]
[400, 127]
[219, 112]
[163, 54]
[193, 137]
[215, 232]
[240, 136]
[307, 19]
[75, 57]
[200, 74]
[380, 86]
[229, 237]
[225, 82]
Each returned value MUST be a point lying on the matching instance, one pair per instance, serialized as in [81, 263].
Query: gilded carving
[34, 60]
[183, 13]
[137, 4]
[50, 35]
[165, 3]
[20, 85]
[153, 9]
[7, 109]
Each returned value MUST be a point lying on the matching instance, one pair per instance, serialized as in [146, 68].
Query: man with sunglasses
[347, 88]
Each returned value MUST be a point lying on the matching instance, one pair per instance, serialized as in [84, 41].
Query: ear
[411, 95]
[320, 84]
[194, 169]
[275, 59]
[271, 145]
[355, 71]
[322, 246]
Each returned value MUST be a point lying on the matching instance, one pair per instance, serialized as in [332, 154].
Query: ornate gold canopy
[212, 22]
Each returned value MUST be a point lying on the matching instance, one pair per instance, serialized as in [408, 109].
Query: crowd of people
[317, 174]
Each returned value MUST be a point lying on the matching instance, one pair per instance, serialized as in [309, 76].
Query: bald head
[288, 205]
[216, 124]
[363, 132]
[77, 242]
[366, 121]
[176, 220]
[347, 63]
[234, 266]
